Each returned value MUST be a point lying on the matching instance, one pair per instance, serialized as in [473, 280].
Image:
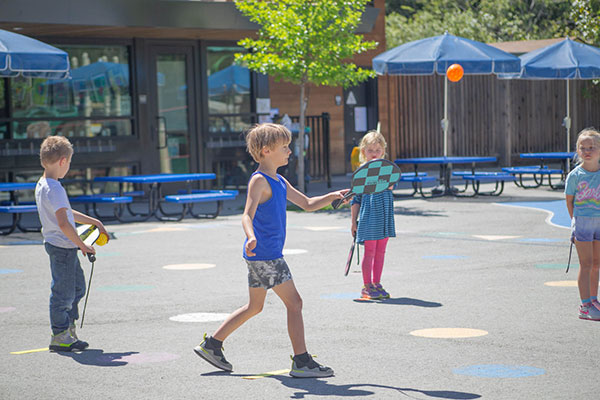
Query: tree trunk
[300, 143]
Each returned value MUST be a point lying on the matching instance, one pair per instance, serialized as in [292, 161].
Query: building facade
[154, 89]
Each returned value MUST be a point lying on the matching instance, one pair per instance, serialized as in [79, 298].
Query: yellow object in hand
[102, 240]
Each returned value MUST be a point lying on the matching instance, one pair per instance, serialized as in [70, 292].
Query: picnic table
[543, 169]
[445, 164]
[16, 209]
[154, 198]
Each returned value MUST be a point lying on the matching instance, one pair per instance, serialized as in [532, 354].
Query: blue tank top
[269, 222]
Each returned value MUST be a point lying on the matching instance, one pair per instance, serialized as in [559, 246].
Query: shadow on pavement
[317, 387]
[99, 358]
[403, 301]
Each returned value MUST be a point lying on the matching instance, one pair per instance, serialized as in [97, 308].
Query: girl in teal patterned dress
[373, 222]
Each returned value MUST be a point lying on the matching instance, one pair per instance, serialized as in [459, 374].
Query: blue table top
[552, 155]
[9, 187]
[157, 178]
[444, 160]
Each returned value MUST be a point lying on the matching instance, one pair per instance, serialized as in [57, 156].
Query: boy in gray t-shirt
[61, 243]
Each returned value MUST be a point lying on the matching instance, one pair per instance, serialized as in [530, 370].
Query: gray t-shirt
[50, 197]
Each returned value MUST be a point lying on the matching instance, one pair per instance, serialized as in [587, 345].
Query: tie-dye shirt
[585, 186]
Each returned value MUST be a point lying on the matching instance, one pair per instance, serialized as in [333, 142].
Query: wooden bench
[535, 171]
[486, 177]
[188, 199]
[16, 210]
[416, 179]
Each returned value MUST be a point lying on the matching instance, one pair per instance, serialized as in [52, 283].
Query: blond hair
[265, 135]
[587, 133]
[372, 137]
[54, 148]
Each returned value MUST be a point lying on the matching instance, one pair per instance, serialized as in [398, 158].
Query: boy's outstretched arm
[313, 203]
[258, 188]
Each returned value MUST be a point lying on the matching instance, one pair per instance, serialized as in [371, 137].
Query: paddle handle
[337, 202]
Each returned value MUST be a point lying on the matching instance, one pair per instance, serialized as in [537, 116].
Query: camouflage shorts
[267, 273]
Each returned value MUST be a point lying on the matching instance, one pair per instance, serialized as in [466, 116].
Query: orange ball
[455, 72]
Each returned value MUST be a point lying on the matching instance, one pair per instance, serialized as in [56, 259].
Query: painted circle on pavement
[287, 252]
[562, 283]
[187, 267]
[499, 371]
[7, 309]
[199, 317]
[10, 271]
[449, 333]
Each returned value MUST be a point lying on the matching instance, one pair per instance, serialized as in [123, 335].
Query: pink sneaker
[589, 312]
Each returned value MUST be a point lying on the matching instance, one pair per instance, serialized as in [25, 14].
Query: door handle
[161, 132]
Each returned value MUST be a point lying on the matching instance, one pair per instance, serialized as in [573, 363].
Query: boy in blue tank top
[264, 222]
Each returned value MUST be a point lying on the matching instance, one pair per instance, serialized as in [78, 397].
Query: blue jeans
[68, 287]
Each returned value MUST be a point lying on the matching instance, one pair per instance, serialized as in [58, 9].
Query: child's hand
[250, 245]
[85, 249]
[340, 195]
[103, 231]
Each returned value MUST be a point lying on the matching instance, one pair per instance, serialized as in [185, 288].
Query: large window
[229, 93]
[94, 101]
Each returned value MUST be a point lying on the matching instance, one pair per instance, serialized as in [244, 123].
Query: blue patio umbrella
[435, 54]
[562, 60]
[234, 79]
[22, 55]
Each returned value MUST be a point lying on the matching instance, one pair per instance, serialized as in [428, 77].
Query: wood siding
[488, 116]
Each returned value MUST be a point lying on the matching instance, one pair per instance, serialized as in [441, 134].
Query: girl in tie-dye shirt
[582, 191]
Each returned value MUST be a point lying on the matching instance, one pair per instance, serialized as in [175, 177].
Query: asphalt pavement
[481, 307]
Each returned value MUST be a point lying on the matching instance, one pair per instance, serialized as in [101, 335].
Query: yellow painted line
[258, 376]
[30, 351]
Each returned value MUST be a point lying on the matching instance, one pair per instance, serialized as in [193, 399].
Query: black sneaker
[79, 344]
[213, 356]
[311, 369]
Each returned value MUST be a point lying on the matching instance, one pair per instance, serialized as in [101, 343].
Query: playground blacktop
[480, 307]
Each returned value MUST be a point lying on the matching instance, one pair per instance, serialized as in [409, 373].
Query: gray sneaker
[213, 356]
[588, 311]
[80, 344]
[312, 369]
[62, 342]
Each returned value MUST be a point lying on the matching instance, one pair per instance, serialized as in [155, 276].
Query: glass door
[173, 107]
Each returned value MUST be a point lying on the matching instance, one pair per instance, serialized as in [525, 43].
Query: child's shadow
[317, 387]
[403, 301]
[99, 358]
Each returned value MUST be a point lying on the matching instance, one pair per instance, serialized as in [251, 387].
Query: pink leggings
[372, 263]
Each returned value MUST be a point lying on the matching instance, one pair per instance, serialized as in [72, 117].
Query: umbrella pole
[445, 120]
[567, 120]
